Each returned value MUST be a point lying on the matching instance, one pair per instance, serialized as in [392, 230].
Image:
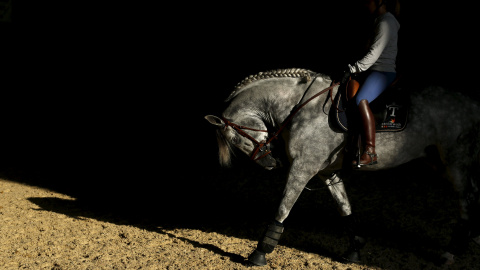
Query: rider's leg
[369, 156]
[375, 83]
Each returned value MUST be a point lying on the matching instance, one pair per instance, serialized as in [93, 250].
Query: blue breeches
[375, 83]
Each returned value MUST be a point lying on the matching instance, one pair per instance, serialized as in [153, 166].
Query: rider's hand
[343, 76]
[346, 75]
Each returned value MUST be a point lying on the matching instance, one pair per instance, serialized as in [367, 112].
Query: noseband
[264, 146]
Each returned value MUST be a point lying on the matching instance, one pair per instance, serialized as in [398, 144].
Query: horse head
[251, 140]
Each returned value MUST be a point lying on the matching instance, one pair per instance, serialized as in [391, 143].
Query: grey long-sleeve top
[383, 51]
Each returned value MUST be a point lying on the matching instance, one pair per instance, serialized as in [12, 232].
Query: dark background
[107, 104]
[109, 101]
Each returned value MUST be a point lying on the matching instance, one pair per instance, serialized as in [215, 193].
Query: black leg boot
[458, 242]
[267, 244]
[356, 242]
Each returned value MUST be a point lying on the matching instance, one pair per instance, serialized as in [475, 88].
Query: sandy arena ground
[45, 229]
[35, 238]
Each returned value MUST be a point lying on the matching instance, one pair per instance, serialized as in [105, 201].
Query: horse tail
[224, 150]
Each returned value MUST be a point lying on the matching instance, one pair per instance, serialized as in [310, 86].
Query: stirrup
[371, 155]
[357, 163]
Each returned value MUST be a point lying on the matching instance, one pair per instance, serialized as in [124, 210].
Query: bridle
[264, 146]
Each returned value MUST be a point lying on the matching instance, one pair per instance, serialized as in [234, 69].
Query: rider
[379, 66]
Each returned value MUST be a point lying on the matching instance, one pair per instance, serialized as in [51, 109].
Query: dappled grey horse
[290, 103]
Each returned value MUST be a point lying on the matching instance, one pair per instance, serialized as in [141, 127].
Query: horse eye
[235, 140]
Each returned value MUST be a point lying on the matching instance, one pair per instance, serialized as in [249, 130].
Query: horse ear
[214, 120]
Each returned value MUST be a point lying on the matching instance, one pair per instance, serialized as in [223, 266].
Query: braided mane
[290, 72]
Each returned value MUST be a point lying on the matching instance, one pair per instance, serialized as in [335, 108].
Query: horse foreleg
[298, 178]
[356, 242]
[337, 189]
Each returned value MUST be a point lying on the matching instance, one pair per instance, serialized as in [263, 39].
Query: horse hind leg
[475, 181]
[464, 173]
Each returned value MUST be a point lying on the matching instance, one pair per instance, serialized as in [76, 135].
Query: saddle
[390, 109]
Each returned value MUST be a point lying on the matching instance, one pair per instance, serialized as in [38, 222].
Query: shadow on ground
[398, 210]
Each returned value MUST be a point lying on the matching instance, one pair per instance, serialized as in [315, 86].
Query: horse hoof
[351, 256]
[257, 258]
[447, 259]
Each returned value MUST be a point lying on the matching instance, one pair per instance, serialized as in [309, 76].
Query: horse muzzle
[263, 156]
[267, 162]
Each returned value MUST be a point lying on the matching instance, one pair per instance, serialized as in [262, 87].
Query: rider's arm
[380, 41]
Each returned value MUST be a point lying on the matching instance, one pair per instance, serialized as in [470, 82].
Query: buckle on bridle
[262, 147]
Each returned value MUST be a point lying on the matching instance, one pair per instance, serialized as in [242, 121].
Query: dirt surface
[407, 223]
[35, 238]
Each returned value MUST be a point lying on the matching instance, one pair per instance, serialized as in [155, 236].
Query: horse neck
[271, 101]
[285, 101]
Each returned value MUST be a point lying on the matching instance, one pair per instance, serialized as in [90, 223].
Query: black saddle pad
[390, 110]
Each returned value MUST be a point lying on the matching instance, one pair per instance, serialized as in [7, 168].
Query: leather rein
[264, 146]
